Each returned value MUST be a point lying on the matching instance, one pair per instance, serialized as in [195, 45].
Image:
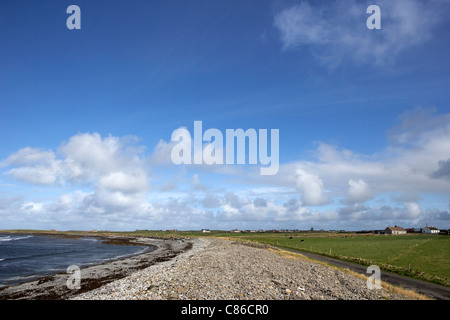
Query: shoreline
[206, 269]
[219, 269]
[54, 287]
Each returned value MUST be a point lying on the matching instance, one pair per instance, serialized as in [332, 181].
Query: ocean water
[26, 257]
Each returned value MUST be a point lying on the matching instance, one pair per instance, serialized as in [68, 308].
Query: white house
[394, 230]
[205, 230]
[431, 230]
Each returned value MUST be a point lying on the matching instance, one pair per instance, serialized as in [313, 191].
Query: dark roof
[396, 228]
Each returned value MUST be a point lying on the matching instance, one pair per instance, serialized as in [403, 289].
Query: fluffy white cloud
[30, 156]
[112, 162]
[119, 181]
[310, 186]
[34, 165]
[88, 156]
[411, 211]
[358, 191]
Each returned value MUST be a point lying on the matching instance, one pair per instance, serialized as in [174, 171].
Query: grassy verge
[408, 294]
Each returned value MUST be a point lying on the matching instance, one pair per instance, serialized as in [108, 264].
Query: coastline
[54, 287]
[206, 269]
[220, 269]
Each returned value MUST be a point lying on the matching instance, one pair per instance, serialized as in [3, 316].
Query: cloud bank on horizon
[111, 179]
[363, 116]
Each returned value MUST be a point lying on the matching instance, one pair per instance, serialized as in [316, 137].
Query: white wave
[90, 239]
[20, 238]
[9, 238]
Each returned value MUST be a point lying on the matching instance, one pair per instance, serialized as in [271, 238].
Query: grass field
[425, 257]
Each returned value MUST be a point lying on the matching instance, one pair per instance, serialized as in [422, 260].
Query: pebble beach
[216, 269]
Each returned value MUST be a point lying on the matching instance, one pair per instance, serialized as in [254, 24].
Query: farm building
[205, 230]
[431, 230]
[394, 230]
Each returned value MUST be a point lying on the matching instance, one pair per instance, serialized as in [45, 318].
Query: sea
[24, 257]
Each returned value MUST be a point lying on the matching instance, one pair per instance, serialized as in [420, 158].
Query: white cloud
[358, 191]
[310, 186]
[30, 156]
[34, 166]
[114, 162]
[337, 30]
[33, 207]
[36, 175]
[131, 182]
[412, 211]
[88, 156]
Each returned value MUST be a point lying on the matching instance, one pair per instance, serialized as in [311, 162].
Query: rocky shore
[54, 287]
[221, 269]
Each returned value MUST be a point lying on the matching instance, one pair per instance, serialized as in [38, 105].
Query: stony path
[221, 269]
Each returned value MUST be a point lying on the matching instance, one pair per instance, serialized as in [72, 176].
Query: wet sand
[55, 287]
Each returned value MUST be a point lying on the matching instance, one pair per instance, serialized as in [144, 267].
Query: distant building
[205, 230]
[394, 230]
[430, 230]
[235, 231]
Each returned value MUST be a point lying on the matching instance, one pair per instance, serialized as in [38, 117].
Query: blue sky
[87, 115]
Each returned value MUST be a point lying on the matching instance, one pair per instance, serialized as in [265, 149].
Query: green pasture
[425, 257]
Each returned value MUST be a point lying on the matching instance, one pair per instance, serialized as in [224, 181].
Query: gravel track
[217, 269]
